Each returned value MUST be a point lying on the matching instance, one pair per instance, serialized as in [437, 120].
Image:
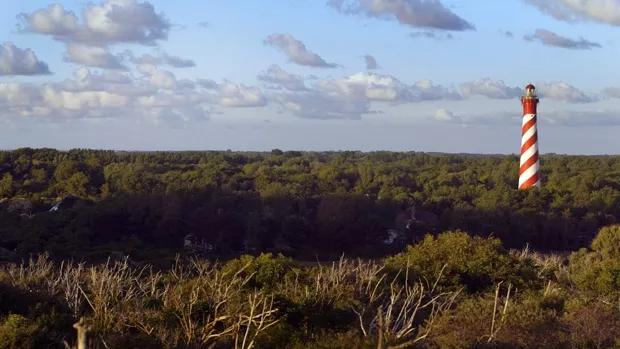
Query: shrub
[595, 325]
[17, 332]
[267, 269]
[526, 323]
[474, 262]
[597, 269]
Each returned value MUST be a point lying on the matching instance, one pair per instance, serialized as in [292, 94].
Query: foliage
[264, 271]
[274, 302]
[302, 204]
[475, 262]
[598, 269]
[17, 332]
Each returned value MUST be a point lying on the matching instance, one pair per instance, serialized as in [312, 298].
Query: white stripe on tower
[529, 170]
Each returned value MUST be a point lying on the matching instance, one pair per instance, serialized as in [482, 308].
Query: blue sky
[292, 74]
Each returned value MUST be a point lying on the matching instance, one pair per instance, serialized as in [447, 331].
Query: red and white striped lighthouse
[529, 171]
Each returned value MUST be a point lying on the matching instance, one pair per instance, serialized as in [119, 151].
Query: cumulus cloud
[111, 21]
[107, 80]
[371, 62]
[164, 59]
[351, 96]
[279, 78]
[426, 90]
[604, 11]
[156, 96]
[414, 13]
[163, 79]
[445, 115]
[296, 51]
[550, 38]
[17, 61]
[229, 94]
[52, 101]
[490, 88]
[563, 92]
[16, 96]
[239, 95]
[367, 86]
[53, 20]
[93, 56]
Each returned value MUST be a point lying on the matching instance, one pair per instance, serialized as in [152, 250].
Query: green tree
[598, 269]
[6, 185]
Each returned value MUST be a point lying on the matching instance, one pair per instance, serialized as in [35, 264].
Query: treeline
[303, 204]
[450, 291]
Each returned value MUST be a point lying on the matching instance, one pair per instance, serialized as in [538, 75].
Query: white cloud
[414, 13]
[279, 78]
[92, 56]
[563, 92]
[239, 95]
[61, 99]
[163, 79]
[368, 86]
[550, 38]
[426, 90]
[351, 96]
[53, 20]
[445, 115]
[604, 11]
[229, 94]
[111, 21]
[16, 95]
[156, 96]
[490, 88]
[296, 51]
[17, 61]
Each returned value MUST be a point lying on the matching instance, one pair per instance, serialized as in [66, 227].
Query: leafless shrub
[36, 274]
[402, 313]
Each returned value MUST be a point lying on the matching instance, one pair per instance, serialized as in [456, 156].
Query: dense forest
[88, 204]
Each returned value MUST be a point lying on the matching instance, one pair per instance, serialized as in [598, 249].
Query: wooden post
[82, 333]
[380, 327]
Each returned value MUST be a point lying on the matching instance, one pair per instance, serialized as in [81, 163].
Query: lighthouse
[529, 170]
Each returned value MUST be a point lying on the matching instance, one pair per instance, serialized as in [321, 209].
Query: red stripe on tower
[529, 169]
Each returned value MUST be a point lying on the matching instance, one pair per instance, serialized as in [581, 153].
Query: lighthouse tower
[529, 171]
